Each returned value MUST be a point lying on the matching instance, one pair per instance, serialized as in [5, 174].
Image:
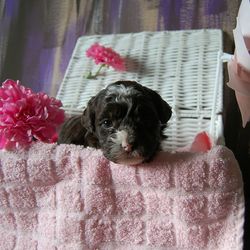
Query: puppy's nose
[127, 147]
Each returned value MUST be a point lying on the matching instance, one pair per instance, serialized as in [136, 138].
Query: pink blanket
[67, 197]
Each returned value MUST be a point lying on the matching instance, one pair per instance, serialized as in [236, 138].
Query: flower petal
[25, 115]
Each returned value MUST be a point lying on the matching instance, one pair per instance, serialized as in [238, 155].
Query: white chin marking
[124, 158]
[121, 138]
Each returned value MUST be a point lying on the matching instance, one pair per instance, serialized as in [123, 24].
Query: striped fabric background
[37, 37]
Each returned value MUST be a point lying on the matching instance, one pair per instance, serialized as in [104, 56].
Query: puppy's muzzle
[124, 148]
[121, 138]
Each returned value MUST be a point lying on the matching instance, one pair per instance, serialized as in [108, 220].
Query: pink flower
[26, 116]
[202, 143]
[106, 57]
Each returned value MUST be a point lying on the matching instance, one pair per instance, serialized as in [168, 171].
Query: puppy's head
[127, 119]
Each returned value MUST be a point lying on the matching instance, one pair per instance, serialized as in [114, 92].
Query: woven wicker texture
[184, 67]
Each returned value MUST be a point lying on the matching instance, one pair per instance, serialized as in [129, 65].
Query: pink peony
[106, 57]
[26, 116]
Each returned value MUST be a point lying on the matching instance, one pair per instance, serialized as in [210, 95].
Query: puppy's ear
[88, 116]
[72, 132]
[88, 122]
[162, 107]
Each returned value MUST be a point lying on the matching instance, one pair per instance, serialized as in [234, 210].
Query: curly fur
[125, 120]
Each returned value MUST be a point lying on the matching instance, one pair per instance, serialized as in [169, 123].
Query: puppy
[125, 120]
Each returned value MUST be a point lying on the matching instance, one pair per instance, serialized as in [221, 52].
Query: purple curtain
[37, 37]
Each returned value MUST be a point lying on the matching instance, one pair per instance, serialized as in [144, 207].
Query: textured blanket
[67, 197]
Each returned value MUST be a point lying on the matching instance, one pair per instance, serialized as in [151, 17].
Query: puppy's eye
[107, 123]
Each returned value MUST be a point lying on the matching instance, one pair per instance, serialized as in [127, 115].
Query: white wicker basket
[184, 67]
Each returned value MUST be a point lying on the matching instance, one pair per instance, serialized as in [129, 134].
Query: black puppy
[125, 120]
